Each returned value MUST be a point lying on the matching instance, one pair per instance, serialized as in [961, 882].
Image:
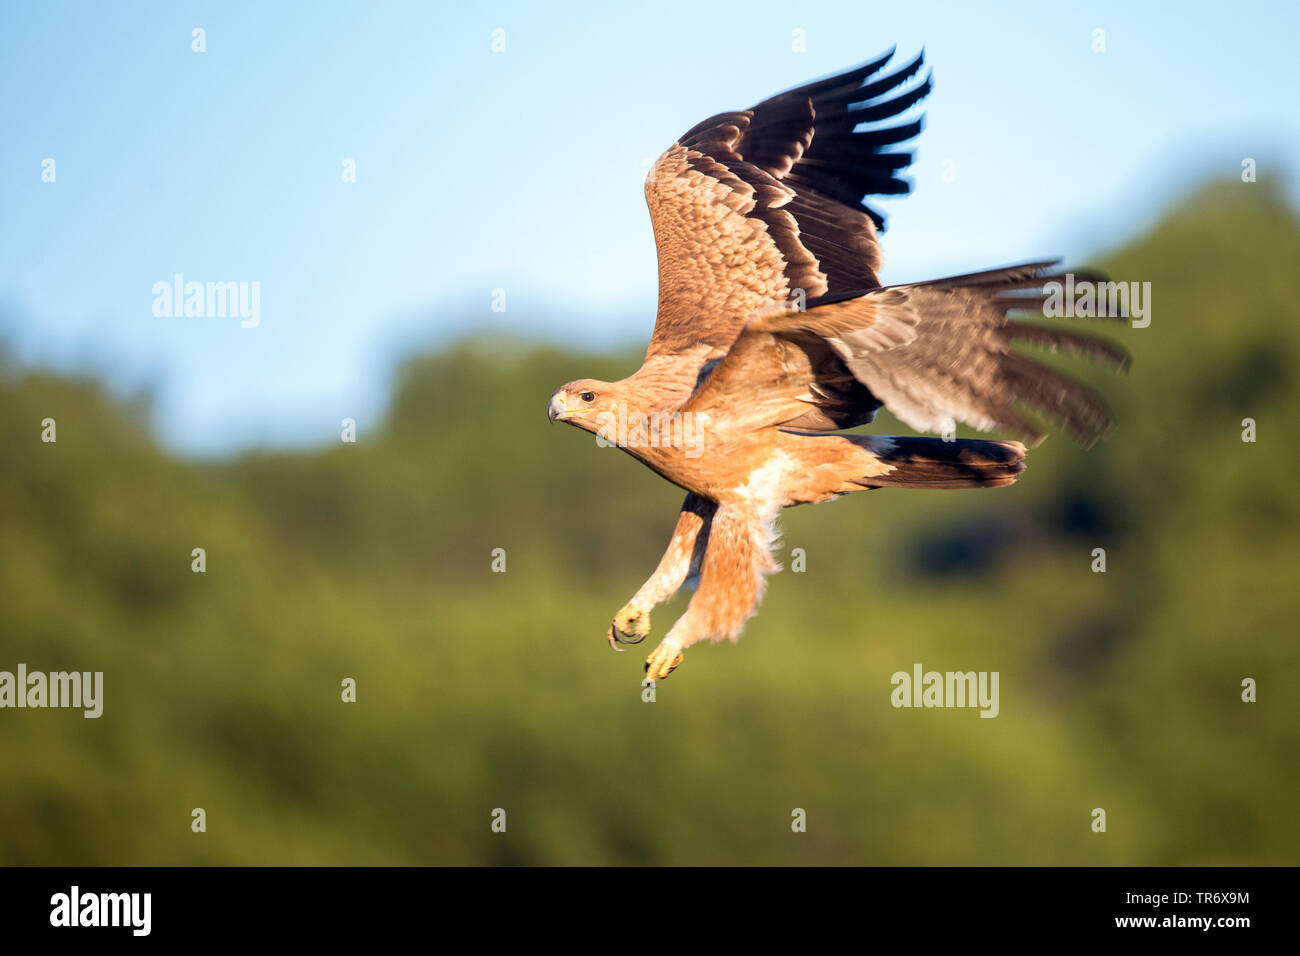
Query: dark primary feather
[798, 166]
[809, 138]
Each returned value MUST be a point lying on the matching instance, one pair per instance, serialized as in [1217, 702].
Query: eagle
[774, 336]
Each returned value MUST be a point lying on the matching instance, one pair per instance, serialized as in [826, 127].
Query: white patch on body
[765, 487]
[765, 490]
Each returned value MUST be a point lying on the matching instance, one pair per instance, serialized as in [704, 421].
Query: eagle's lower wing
[932, 353]
[750, 206]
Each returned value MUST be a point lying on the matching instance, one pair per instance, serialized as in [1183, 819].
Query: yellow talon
[631, 626]
[663, 660]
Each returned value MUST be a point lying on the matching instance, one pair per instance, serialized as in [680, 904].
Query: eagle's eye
[588, 397]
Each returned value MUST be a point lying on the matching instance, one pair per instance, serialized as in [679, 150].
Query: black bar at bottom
[331, 904]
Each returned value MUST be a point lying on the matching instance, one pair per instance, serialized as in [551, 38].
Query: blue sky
[522, 170]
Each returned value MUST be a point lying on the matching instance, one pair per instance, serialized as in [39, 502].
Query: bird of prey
[774, 336]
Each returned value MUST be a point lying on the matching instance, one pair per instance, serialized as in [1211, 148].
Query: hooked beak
[556, 408]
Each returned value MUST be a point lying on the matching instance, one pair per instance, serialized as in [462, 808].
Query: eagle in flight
[774, 336]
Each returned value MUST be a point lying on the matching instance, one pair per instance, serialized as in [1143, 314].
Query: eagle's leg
[737, 555]
[685, 552]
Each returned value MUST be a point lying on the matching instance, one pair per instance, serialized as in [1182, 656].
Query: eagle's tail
[936, 463]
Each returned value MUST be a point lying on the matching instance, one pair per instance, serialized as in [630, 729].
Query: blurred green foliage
[479, 690]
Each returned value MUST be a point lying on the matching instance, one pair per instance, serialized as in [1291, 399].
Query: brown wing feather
[939, 351]
[750, 206]
[929, 352]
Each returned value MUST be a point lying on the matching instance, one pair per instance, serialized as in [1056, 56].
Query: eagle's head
[581, 403]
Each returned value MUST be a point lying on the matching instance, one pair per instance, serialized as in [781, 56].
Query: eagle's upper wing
[750, 206]
[929, 352]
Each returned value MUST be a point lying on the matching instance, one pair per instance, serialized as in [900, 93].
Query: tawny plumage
[774, 335]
